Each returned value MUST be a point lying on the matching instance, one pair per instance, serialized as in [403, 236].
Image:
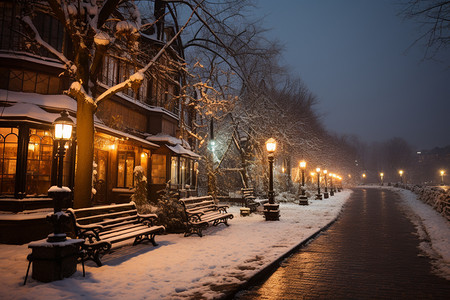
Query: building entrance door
[101, 182]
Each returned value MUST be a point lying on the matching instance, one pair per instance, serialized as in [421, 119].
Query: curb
[268, 270]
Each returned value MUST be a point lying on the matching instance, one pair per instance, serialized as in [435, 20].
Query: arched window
[39, 162]
[8, 156]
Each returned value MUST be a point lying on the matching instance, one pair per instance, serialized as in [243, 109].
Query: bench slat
[103, 216]
[126, 236]
[135, 228]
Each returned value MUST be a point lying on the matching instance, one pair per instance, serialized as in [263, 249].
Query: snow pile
[179, 268]
[102, 38]
[437, 197]
[433, 230]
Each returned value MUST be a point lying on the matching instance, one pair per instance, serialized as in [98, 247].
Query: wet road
[371, 252]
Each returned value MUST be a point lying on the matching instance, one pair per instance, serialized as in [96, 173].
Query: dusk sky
[355, 56]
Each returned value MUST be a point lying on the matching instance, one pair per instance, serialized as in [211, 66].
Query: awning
[183, 151]
[121, 134]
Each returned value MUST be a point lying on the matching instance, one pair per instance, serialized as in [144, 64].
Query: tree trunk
[85, 157]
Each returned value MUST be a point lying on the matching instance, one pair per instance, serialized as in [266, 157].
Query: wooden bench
[249, 199]
[200, 212]
[102, 226]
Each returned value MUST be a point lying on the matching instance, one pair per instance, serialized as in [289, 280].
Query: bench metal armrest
[222, 208]
[147, 219]
[89, 232]
[194, 217]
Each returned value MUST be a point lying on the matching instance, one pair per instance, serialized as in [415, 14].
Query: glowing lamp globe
[271, 145]
[63, 126]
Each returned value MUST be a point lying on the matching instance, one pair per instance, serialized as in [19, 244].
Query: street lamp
[401, 176]
[331, 184]
[340, 183]
[325, 195]
[303, 199]
[364, 178]
[442, 172]
[63, 132]
[63, 126]
[319, 195]
[381, 178]
[271, 211]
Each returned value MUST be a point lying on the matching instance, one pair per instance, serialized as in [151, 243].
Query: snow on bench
[102, 226]
[200, 212]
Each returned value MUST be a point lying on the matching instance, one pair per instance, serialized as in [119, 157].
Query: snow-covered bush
[140, 193]
[169, 210]
[285, 197]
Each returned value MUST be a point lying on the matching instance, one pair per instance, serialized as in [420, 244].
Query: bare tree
[96, 28]
[434, 17]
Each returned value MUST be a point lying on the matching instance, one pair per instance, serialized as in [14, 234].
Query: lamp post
[364, 178]
[319, 195]
[271, 211]
[381, 178]
[442, 172]
[340, 183]
[303, 199]
[331, 184]
[400, 172]
[325, 194]
[63, 126]
[57, 258]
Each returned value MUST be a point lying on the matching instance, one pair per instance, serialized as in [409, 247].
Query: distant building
[430, 162]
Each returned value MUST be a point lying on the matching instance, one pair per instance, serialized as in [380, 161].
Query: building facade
[133, 128]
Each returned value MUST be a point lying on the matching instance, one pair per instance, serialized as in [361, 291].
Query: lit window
[39, 162]
[174, 171]
[8, 156]
[158, 169]
[125, 168]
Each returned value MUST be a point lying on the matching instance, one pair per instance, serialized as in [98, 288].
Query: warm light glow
[282, 169]
[364, 175]
[303, 164]
[318, 170]
[63, 127]
[143, 154]
[112, 146]
[63, 131]
[312, 173]
[325, 171]
[381, 175]
[400, 172]
[442, 172]
[271, 145]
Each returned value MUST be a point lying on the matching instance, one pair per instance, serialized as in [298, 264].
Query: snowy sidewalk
[179, 267]
[204, 268]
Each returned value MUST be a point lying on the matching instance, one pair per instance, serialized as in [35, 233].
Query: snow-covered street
[181, 268]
